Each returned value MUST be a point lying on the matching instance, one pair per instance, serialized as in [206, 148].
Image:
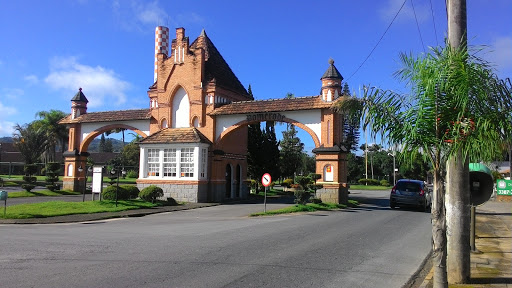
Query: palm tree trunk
[458, 211]
[440, 278]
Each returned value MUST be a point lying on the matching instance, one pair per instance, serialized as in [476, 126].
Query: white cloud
[31, 79]
[137, 15]
[99, 85]
[501, 55]
[6, 111]
[390, 9]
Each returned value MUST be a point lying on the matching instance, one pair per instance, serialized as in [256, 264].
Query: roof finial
[331, 61]
[80, 89]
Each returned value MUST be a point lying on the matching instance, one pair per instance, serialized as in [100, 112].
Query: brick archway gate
[196, 125]
[311, 114]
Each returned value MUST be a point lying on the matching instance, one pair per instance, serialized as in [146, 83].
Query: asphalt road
[369, 246]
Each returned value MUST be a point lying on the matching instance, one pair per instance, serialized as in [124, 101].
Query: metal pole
[117, 189]
[85, 184]
[265, 201]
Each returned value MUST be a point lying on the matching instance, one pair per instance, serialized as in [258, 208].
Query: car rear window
[408, 186]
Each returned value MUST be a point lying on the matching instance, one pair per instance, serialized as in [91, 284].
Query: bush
[368, 181]
[151, 193]
[109, 193]
[171, 201]
[28, 187]
[384, 182]
[133, 191]
[29, 179]
[287, 182]
[316, 200]
[132, 174]
[301, 197]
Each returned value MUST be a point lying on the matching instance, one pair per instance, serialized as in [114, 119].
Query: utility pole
[457, 179]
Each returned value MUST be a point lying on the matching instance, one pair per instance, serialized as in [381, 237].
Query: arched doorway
[228, 180]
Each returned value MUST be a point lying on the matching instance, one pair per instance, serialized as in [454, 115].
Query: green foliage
[52, 175]
[291, 152]
[30, 140]
[133, 191]
[28, 187]
[171, 201]
[263, 151]
[151, 193]
[30, 169]
[316, 200]
[368, 181]
[315, 176]
[109, 193]
[56, 134]
[301, 196]
[287, 182]
[384, 182]
[29, 179]
[303, 181]
[132, 174]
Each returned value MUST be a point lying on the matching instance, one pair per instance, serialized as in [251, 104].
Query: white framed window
[170, 163]
[204, 158]
[187, 162]
[153, 162]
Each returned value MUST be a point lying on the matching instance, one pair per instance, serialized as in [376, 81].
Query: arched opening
[195, 122]
[180, 109]
[164, 124]
[228, 180]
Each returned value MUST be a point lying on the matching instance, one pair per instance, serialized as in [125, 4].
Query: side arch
[85, 142]
[285, 120]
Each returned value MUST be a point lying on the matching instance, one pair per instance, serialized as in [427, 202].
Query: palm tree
[452, 107]
[56, 133]
[30, 140]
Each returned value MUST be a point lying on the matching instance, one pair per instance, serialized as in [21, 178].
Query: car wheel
[392, 204]
[424, 207]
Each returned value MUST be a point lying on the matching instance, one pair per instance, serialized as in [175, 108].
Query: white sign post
[265, 180]
[97, 181]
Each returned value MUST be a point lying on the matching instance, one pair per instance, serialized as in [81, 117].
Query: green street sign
[504, 187]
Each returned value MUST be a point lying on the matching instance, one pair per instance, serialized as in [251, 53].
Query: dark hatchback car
[409, 192]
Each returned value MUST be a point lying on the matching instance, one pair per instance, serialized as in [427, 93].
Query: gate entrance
[195, 129]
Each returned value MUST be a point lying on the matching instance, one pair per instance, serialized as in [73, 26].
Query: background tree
[291, 152]
[452, 108]
[355, 167]
[56, 134]
[30, 140]
[351, 124]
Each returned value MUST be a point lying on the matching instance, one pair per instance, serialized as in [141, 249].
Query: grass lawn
[41, 193]
[60, 208]
[310, 207]
[369, 187]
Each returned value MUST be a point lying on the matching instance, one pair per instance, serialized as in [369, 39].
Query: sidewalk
[491, 264]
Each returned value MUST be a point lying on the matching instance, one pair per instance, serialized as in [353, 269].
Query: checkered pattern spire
[161, 44]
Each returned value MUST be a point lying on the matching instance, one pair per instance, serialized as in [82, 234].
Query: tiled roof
[332, 72]
[272, 105]
[218, 69]
[108, 116]
[176, 135]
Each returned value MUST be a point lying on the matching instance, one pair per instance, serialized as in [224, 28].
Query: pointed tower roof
[80, 97]
[216, 68]
[332, 72]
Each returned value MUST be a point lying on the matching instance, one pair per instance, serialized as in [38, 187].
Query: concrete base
[193, 193]
[333, 193]
[73, 184]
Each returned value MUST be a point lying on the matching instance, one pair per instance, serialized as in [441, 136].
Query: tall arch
[285, 120]
[87, 140]
[180, 109]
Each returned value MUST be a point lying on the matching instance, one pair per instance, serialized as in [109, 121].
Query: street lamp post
[117, 171]
[88, 169]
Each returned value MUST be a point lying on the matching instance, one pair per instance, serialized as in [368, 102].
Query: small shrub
[287, 182]
[301, 197]
[133, 191]
[171, 201]
[316, 200]
[109, 193]
[151, 193]
[384, 182]
[29, 179]
[368, 181]
[132, 174]
[28, 187]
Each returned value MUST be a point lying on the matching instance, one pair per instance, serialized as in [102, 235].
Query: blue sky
[51, 48]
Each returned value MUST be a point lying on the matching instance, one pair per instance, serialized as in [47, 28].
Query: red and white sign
[266, 179]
